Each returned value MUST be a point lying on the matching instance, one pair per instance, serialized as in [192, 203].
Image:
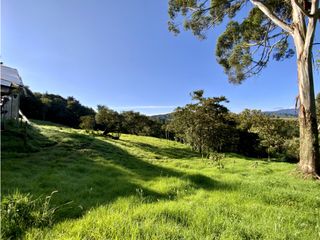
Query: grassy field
[146, 188]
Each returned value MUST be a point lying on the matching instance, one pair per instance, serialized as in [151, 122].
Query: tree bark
[309, 145]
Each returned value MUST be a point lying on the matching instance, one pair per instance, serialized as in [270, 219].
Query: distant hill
[162, 117]
[290, 112]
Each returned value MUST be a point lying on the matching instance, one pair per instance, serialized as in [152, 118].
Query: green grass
[147, 188]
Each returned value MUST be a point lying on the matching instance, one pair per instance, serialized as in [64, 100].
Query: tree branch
[264, 59]
[302, 9]
[272, 16]
[311, 25]
[316, 14]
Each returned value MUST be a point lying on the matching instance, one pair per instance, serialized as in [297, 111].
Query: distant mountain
[162, 117]
[290, 112]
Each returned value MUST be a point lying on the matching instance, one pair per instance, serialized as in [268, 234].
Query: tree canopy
[246, 45]
[270, 29]
[205, 124]
[54, 108]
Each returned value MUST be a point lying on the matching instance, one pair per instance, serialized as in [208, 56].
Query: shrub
[20, 212]
[291, 149]
[87, 122]
[217, 158]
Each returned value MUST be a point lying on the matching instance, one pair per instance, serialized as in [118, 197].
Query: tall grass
[146, 188]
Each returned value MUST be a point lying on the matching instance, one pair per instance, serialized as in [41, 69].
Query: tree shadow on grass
[263, 160]
[23, 138]
[163, 152]
[88, 172]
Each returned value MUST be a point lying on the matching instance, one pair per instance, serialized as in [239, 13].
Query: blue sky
[120, 54]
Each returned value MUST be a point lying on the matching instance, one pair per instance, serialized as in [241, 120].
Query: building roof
[10, 77]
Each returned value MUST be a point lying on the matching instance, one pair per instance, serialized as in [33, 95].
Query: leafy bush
[291, 149]
[87, 122]
[20, 212]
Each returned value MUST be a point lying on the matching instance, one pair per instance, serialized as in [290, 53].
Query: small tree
[205, 124]
[87, 122]
[109, 120]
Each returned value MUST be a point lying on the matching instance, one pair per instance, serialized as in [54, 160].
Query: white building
[11, 88]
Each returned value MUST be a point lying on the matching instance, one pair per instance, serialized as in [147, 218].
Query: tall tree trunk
[303, 38]
[309, 146]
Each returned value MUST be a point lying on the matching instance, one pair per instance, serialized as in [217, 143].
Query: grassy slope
[147, 188]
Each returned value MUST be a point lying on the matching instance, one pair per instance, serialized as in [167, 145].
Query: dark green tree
[31, 105]
[247, 45]
[274, 133]
[139, 124]
[54, 108]
[87, 122]
[108, 119]
[205, 125]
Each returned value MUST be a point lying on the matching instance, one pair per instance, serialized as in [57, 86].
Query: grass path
[147, 188]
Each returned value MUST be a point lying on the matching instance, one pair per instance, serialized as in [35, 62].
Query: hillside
[147, 188]
[290, 112]
[162, 117]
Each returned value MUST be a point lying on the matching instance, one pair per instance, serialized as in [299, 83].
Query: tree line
[206, 125]
[252, 37]
[70, 112]
[53, 108]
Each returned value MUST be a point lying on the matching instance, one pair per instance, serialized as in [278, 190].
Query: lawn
[147, 188]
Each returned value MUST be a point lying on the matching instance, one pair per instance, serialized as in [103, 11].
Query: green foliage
[177, 190]
[138, 124]
[274, 133]
[87, 122]
[217, 159]
[291, 149]
[19, 212]
[54, 108]
[205, 125]
[108, 119]
[246, 45]
[70, 112]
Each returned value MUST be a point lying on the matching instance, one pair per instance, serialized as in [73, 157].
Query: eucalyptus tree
[278, 29]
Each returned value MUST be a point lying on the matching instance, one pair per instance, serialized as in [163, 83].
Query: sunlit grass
[147, 188]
